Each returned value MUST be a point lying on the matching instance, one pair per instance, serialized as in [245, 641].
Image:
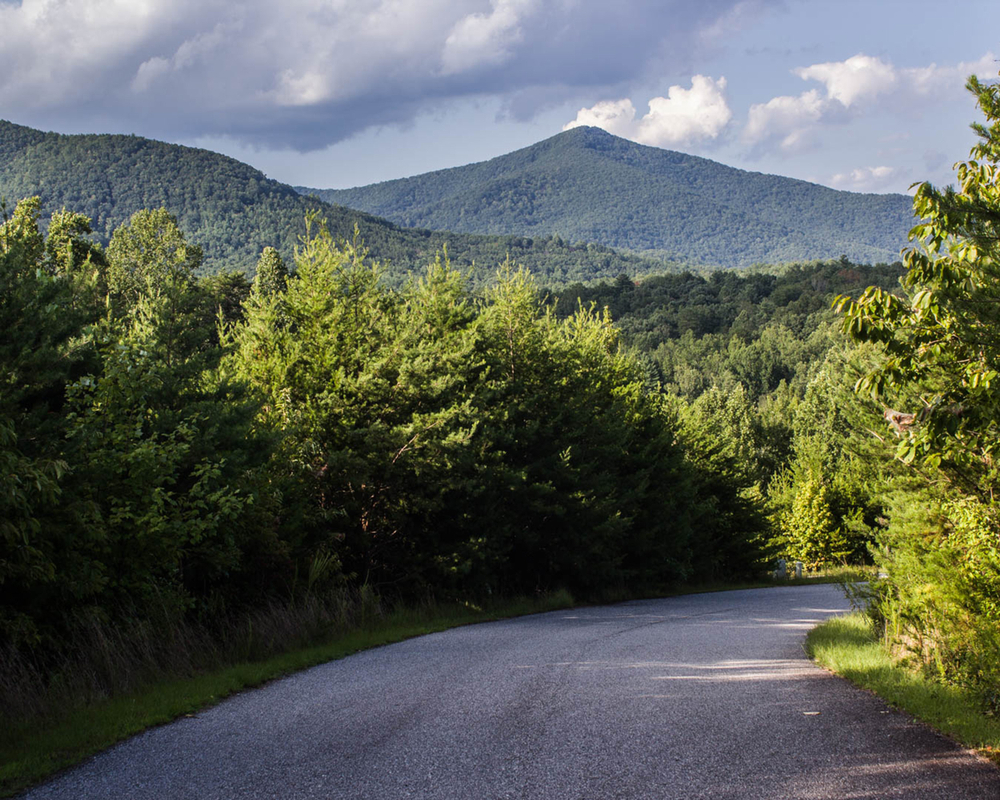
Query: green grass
[847, 646]
[32, 751]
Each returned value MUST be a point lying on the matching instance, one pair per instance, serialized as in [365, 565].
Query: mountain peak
[588, 185]
[586, 134]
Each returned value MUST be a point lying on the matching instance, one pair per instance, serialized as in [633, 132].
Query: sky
[865, 95]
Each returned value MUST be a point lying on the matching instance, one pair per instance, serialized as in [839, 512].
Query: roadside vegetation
[938, 345]
[201, 473]
[928, 636]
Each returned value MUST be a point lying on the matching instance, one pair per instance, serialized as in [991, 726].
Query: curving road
[687, 697]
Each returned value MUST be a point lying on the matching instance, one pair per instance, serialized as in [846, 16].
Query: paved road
[699, 696]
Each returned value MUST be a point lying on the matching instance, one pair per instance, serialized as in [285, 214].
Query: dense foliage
[590, 186]
[936, 380]
[234, 211]
[181, 448]
[766, 383]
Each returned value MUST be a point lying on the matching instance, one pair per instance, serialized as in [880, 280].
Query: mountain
[234, 211]
[587, 185]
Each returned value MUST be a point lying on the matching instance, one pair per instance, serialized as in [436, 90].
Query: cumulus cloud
[485, 39]
[683, 117]
[868, 179]
[614, 116]
[859, 85]
[788, 120]
[304, 74]
[858, 78]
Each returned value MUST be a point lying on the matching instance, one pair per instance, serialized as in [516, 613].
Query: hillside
[234, 211]
[588, 185]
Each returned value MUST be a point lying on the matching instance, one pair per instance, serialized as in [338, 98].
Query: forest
[191, 453]
[183, 451]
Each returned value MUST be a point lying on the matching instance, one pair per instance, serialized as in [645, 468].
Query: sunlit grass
[847, 646]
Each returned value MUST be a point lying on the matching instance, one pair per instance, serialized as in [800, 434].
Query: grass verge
[847, 646]
[33, 751]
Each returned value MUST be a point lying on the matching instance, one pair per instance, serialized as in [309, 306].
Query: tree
[834, 444]
[41, 351]
[148, 253]
[942, 337]
[67, 246]
[587, 484]
[368, 389]
[272, 274]
[810, 533]
[20, 231]
[937, 383]
[724, 442]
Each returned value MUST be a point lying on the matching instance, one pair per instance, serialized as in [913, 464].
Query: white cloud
[868, 179]
[301, 89]
[481, 39]
[687, 115]
[785, 120]
[683, 117]
[851, 88]
[614, 116]
[860, 77]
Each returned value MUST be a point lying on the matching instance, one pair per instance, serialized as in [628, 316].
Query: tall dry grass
[101, 657]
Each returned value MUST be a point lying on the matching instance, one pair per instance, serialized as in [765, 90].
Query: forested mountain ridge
[229, 208]
[233, 210]
[588, 185]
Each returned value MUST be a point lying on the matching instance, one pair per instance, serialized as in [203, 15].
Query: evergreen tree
[272, 274]
[810, 534]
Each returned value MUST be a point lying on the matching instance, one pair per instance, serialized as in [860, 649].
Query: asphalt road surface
[699, 696]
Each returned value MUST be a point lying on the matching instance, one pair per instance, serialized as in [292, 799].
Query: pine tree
[272, 274]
